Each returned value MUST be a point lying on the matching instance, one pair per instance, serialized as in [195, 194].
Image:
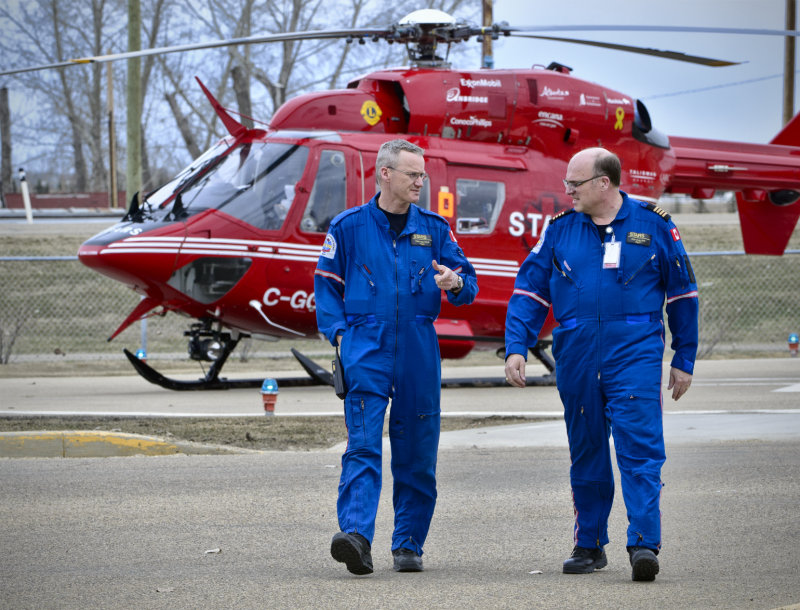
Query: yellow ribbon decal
[620, 116]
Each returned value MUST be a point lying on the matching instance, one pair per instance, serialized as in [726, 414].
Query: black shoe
[644, 563]
[352, 550]
[585, 561]
[406, 560]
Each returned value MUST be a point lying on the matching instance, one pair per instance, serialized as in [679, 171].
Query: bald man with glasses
[606, 267]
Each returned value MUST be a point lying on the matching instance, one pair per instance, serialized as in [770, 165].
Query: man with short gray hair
[378, 288]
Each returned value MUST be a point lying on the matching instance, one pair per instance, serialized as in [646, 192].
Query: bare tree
[176, 121]
[47, 31]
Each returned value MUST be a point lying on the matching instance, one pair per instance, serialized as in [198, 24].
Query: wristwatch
[459, 286]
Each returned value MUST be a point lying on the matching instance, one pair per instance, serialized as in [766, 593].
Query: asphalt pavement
[253, 530]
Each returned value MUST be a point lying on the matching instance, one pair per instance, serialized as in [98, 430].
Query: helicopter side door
[330, 194]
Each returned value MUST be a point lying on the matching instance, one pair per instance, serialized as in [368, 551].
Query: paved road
[719, 385]
[135, 532]
[118, 532]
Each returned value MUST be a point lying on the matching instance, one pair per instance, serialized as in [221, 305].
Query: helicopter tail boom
[766, 178]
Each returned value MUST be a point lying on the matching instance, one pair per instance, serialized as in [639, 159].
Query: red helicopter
[232, 241]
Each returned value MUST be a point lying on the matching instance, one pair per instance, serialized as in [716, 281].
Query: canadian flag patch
[675, 235]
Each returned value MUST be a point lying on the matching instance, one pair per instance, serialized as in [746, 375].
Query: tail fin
[790, 134]
[766, 227]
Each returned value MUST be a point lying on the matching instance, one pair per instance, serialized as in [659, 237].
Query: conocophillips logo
[471, 121]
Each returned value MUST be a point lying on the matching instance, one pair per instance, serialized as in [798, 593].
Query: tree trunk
[6, 184]
[79, 160]
[183, 126]
[241, 87]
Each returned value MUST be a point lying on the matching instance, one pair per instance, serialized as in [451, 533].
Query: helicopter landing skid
[317, 376]
[211, 381]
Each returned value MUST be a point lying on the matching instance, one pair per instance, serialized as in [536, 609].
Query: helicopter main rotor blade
[695, 59]
[256, 39]
[648, 28]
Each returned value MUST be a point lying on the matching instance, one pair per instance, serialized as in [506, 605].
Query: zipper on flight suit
[397, 301]
[599, 286]
[365, 271]
[560, 270]
[642, 266]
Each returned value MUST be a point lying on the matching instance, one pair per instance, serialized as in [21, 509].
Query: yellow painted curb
[93, 443]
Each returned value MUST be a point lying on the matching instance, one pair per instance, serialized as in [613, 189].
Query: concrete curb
[97, 443]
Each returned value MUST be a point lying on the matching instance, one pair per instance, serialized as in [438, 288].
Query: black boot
[354, 551]
[585, 561]
[644, 563]
[406, 560]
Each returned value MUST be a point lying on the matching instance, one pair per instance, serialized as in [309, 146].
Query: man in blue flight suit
[606, 267]
[378, 290]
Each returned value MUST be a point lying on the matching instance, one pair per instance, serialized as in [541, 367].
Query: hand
[515, 370]
[446, 278]
[679, 382]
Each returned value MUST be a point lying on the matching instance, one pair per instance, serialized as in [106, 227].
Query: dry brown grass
[261, 433]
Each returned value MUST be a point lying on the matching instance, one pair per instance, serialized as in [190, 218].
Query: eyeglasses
[413, 175]
[573, 184]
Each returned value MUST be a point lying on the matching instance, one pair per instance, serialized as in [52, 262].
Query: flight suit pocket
[354, 419]
[565, 289]
[428, 427]
[420, 275]
[581, 429]
[361, 290]
[427, 295]
[638, 427]
[587, 428]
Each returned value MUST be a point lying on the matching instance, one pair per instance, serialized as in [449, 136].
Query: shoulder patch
[329, 246]
[657, 210]
[562, 214]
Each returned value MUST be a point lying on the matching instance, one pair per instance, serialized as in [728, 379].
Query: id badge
[611, 254]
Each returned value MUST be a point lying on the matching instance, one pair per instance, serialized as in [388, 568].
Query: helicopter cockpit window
[329, 194]
[478, 205]
[254, 183]
[157, 198]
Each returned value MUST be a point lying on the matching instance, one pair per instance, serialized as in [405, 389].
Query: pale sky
[749, 110]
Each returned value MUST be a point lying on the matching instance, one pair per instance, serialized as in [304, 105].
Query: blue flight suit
[377, 289]
[608, 349]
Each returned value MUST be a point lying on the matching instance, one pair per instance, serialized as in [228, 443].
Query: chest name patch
[640, 239]
[418, 239]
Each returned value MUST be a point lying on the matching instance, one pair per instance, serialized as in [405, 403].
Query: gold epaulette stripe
[654, 208]
[562, 213]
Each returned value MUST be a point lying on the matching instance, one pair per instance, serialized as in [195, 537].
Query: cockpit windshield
[254, 182]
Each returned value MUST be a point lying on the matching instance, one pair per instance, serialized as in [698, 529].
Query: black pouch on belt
[339, 386]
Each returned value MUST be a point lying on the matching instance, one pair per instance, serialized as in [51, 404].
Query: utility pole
[788, 62]
[487, 61]
[113, 202]
[133, 172]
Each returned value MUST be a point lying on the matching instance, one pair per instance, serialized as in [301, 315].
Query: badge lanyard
[611, 251]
